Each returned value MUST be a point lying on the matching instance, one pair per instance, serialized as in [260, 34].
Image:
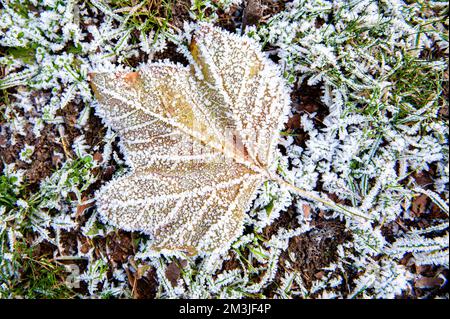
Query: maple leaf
[199, 139]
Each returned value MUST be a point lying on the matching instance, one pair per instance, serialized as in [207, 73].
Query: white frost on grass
[383, 126]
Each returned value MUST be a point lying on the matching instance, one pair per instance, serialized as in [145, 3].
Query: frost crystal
[199, 140]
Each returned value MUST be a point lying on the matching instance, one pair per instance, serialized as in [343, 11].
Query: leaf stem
[313, 197]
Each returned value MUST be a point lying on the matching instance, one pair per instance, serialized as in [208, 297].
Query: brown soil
[305, 100]
[172, 54]
[256, 12]
[180, 13]
[43, 160]
[311, 252]
[315, 249]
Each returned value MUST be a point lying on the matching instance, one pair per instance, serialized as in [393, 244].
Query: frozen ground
[368, 127]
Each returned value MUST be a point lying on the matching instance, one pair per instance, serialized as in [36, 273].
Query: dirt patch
[68, 243]
[93, 131]
[230, 264]
[171, 54]
[315, 249]
[180, 13]
[286, 220]
[42, 161]
[305, 100]
[256, 12]
[308, 253]
[53, 139]
[273, 7]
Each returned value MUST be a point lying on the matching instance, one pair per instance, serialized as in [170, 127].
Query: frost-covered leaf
[199, 140]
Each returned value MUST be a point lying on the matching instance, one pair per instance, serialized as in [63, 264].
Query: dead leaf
[419, 204]
[306, 210]
[173, 271]
[98, 157]
[81, 208]
[199, 141]
[428, 282]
